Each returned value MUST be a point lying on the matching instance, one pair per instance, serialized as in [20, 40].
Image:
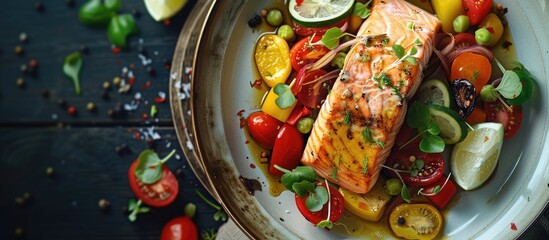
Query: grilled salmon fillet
[358, 122]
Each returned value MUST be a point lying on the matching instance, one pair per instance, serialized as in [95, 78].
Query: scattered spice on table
[19, 50]
[106, 85]
[61, 103]
[19, 232]
[50, 171]
[39, 7]
[45, 93]
[103, 204]
[90, 106]
[72, 110]
[20, 82]
[23, 37]
[33, 63]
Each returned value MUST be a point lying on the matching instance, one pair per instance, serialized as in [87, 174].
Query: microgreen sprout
[404, 192]
[149, 166]
[419, 117]
[209, 234]
[220, 215]
[326, 223]
[510, 87]
[362, 10]
[136, 208]
[435, 190]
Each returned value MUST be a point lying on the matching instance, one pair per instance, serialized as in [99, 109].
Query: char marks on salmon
[358, 122]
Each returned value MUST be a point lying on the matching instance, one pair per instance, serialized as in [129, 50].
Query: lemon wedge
[164, 9]
[474, 159]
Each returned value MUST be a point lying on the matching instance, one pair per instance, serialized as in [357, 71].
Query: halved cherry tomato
[179, 228]
[494, 26]
[415, 221]
[446, 193]
[477, 116]
[497, 112]
[463, 40]
[263, 128]
[305, 31]
[311, 94]
[472, 66]
[432, 170]
[287, 150]
[336, 201]
[476, 10]
[159, 194]
[303, 53]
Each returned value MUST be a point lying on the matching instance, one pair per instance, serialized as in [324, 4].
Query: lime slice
[452, 126]
[434, 91]
[164, 9]
[474, 159]
[320, 13]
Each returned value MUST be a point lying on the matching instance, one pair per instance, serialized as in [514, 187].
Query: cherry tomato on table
[179, 228]
[476, 10]
[302, 53]
[336, 201]
[497, 112]
[158, 194]
[318, 31]
[287, 149]
[445, 194]
[432, 170]
[263, 128]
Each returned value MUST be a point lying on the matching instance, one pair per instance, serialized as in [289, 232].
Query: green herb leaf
[398, 50]
[365, 165]
[209, 234]
[510, 86]
[285, 98]
[433, 128]
[120, 27]
[418, 115]
[416, 167]
[475, 76]
[220, 215]
[71, 69]
[325, 224]
[149, 166]
[362, 10]
[437, 189]
[316, 199]
[347, 118]
[405, 194]
[302, 188]
[154, 110]
[411, 60]
[418, 42]
[331, 38]
[95, 13]
[410, 26]
[432, 144]
[136, 208]
[382, 80]
[298, 174]
[333, 174]
[413, 51]
[385, 41]
[489, 93]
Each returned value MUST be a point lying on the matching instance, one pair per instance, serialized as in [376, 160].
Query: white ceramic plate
[223, 70]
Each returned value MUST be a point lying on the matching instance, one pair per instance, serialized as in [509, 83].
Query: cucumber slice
[320, 13]
[434, 91]
[452, 126]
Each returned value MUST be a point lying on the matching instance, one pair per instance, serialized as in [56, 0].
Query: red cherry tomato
[302, 54]
[312, 94]
[337, 205]
[446, 193]
[463, 40]
[476, 10]
[305, 31]
[263, 128]
[159, 194]
[287, 150]
[179, 228]
[403, 160]
[497, 112]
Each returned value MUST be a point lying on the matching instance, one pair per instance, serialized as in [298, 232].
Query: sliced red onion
[443, 61]
[324, 60]
[474, 48]
[327, 77]
[299, 78]
[444, 42]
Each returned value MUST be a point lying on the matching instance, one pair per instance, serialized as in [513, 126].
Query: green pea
[461, 23]
[304, 125]
[346, 38]
[339, 60]
[483, 37]
[393, 186]
[286, 32]
[274, 17]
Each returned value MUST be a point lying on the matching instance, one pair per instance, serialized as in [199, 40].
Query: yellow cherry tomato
[369, 206]
[269, 107]
[272, 57]
[416, 221]
[354, 24]
[447, 11]
[494, 26]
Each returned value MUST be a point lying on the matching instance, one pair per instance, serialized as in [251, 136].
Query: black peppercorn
[61, 103]
[254, 21]
[103, 204]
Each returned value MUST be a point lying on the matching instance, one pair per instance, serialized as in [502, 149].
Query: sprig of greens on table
[135, 208]
[104, 13]
[220, 215]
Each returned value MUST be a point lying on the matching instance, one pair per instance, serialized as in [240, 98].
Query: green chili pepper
[98, 13]
[120, 28]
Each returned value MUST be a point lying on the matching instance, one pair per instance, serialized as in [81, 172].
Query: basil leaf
[331, 38]
[418, 115]
[432, 144]
[95, 13]
[285, 98]
[71, 69]
[317, 198]
[302, 188]
[510, 86]
[120, 27]
[398, 50]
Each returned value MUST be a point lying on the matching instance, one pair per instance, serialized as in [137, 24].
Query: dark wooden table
[37, 133]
